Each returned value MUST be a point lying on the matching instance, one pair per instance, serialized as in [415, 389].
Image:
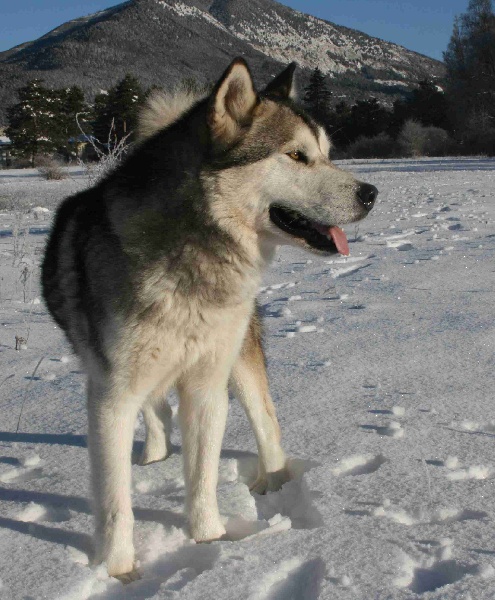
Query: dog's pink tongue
[339, 239]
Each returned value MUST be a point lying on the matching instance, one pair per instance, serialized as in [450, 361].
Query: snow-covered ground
[381, 367]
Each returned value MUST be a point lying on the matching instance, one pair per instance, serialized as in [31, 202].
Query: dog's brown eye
[295, 155]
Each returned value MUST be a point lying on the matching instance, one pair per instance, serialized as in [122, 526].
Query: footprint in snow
[400, 245]
[169, 562]
[300, 328]
[37, 513]
[453, 515]
[472, 472]
[346, 271]
[347, 260]
[430, 573]
[441, 573]
[392, 429]
[292, 579]
[292, 504]
[63, 360]
[21, 475]
[420, 515]
[457, 473]
[359, 464]
[27, 470]
[10, 460]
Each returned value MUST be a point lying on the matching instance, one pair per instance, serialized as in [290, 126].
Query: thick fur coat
[153, 275]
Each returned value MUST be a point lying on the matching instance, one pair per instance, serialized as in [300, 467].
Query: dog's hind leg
[111, 419]
[250, 385]
[157, 416]
[202, 415]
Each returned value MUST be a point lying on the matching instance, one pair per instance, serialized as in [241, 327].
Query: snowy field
[381, 367]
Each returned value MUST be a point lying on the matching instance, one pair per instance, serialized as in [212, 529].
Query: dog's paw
[270, 482]
[121, 566]
[114, 548]
[154, 453]
[120, 563]
[213, 533]
[126, 578]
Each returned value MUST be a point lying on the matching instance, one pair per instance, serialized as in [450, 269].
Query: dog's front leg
[202, 416]
[250, 385]
[110, 433]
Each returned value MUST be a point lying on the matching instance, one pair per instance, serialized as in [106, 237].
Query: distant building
[5, 148]
[80, 144]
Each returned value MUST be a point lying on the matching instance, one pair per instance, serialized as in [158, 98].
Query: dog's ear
[232, 103]
[283, 86]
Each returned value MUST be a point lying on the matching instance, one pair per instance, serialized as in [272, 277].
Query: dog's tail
[161, 109]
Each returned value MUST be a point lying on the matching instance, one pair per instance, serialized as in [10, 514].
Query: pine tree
[125, 100]
[73, 104]
[368, 118]
[119, 107]
[426, 104]
[317, 96]
[73, 108]
[470, 62]
[33, 121]
[338, 124]
[101, 119]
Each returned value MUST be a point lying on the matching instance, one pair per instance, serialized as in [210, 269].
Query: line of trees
[470, 62]
[458, 118]
[44, 120]
[47, 121]
[415, 125]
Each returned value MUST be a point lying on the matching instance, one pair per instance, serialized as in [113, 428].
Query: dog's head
[273, 159]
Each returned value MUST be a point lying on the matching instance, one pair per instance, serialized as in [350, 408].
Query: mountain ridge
[164, 41]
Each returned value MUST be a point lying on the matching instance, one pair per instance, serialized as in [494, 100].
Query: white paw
[114, 546]
[120, 564]
[270, 482]
[207, 532]
[126, 578]
[154, 453]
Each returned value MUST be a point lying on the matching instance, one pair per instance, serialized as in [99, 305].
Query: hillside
[164, 41]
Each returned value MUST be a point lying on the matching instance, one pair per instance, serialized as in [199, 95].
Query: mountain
[165, 41]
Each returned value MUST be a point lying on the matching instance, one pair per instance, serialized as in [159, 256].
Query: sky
[421, 25]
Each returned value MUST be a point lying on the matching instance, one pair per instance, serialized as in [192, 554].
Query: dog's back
[151, 214]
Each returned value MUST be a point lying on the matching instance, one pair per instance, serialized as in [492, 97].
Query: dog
[153, 275]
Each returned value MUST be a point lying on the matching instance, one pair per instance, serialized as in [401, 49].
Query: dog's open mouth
[326, 238]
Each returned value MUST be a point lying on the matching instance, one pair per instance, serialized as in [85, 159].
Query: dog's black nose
[367, 194]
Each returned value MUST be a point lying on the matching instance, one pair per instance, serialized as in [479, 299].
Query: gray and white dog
[153, 275]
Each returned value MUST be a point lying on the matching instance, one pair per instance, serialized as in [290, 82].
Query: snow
[184, 10]
[381, 368]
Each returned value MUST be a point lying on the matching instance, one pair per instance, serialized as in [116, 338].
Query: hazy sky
[421, 25]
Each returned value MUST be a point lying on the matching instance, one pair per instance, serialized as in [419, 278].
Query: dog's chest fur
[186, 311]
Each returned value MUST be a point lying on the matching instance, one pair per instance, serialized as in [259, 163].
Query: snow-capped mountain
[164, 41]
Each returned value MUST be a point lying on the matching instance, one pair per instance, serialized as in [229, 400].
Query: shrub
[478, 135]
[108, 156]
[438, 142]
[379, 146]
[6, 203]
[51, 168]
[417, 140]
